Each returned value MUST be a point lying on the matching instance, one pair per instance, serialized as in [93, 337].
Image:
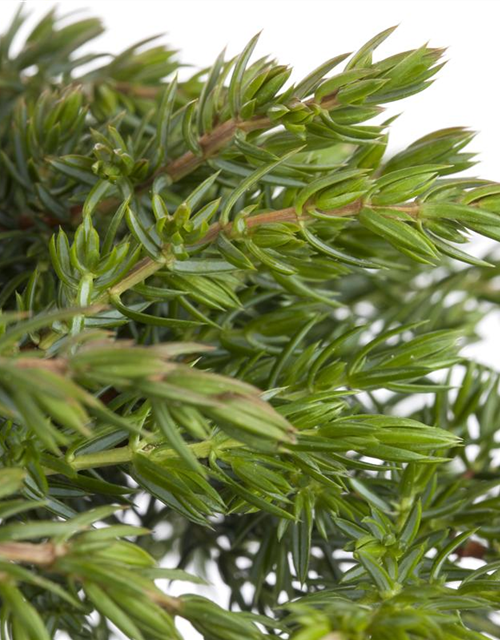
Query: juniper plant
[225, 309]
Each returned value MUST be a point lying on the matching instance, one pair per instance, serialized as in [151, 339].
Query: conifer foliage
[231, 329]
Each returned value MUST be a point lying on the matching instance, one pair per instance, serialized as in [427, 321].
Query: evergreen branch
[277, 365]
[210, 144]
[149, 266]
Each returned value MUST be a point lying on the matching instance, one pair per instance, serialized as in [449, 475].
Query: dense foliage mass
[231, 330]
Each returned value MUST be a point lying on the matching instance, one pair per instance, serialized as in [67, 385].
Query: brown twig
[472, 549]
[171, 604]
[43, 554]
[280, 215]
[137, 90]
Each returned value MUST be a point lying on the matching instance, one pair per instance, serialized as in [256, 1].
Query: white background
[304, 33]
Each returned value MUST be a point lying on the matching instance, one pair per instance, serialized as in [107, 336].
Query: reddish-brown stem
[210, 144]
[281, 215]
[472, 549]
